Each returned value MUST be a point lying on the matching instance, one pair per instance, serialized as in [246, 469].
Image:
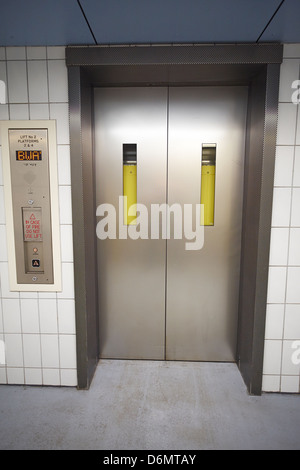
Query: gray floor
[150, 406]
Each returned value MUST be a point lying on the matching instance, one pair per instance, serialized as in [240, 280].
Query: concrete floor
[150, 406]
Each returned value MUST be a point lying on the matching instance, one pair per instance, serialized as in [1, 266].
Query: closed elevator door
[157, 299]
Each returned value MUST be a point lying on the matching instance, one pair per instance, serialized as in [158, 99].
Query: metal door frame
[254, 65]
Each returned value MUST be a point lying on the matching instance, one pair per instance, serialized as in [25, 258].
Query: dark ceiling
[78, 22]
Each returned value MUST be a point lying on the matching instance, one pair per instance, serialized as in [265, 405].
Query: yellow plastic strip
[129, 191]
[208, 193]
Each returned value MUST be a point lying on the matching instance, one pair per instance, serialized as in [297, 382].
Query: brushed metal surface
[31, 193]
[131, 272]
[152, 291]
[203, 286]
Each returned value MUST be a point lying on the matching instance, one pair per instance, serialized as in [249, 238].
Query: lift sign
[28, 155]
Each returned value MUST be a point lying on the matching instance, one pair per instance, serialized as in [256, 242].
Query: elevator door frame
[253, 65]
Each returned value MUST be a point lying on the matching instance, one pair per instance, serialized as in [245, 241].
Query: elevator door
[158, 300]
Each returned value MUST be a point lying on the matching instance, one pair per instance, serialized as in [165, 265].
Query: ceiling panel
[285, 25]
[69, 22]
[155, 21]
[42, 22]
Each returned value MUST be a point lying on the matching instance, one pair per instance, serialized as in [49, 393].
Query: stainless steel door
[158, 300]
[203, 285]
[131, 272]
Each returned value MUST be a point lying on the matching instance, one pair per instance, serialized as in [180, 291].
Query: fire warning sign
[32, 224]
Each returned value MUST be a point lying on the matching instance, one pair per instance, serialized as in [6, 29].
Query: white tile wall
[30, 316]
[282, 337]
[294, 252]
[17, 87]
[37, 81]
[287, 115]
[279, 237]
[57, 73]
[296, 179]
[48, 316]
[274, 321]
[282, 204]
[295, 217]
[284, 166]
[38, 329]
[291, 323]
[50, 351]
